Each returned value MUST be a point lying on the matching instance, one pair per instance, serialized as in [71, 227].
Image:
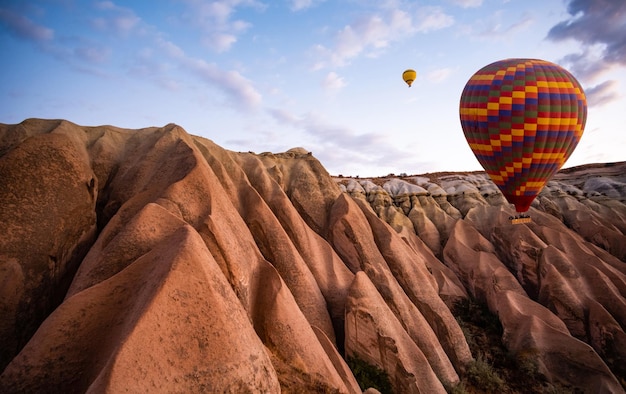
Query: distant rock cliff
[152, 260]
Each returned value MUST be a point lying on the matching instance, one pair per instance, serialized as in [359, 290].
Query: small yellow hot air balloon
[409, 76]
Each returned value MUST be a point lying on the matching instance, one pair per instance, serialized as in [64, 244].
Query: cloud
[468, 3]
[373, 33]
[118, 20]
[598, 25]
[283, 116]
[158, 64]
[439, 75]
[238, 88]
[369, 33]
[497, 27]
[79, 52]
[432, 18]
[333, 82]
[326, 134]
[25, 28]
[94, 54]
[219, 42]
[588, 64]
[149, 64]
[214, 20]
[231, 82]
[299, 5]
[343, 150]
[170, 49]
[602, 93]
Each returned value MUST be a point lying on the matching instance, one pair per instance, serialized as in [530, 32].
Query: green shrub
[458, 389]
[483, 376]
[527, 366]
[368, 375]
[496, 369]
[471, 311]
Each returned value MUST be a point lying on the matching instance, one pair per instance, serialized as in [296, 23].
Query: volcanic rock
[155, 260]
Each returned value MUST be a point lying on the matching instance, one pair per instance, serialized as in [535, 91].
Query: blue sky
[260, 75]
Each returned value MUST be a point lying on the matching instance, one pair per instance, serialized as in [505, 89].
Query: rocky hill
[152, 260]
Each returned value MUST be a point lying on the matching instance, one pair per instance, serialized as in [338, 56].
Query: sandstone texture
[152, 260]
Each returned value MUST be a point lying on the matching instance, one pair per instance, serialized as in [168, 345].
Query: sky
[325, 75]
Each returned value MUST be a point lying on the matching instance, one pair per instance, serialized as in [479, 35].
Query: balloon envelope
[522, 118]
[409, 76]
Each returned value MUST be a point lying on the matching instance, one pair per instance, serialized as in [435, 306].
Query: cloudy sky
[260, 75]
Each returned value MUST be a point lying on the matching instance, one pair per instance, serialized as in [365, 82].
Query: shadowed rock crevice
[49, 223]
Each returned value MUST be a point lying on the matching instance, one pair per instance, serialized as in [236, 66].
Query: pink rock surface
[154, 260]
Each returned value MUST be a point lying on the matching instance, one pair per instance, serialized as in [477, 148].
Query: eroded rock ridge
[154, 260]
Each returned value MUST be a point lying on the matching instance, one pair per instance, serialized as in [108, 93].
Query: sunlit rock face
[153, 260]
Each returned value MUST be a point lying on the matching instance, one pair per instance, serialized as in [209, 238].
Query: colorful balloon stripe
[522, 118]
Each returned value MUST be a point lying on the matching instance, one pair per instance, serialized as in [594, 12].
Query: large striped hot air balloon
[522, 118]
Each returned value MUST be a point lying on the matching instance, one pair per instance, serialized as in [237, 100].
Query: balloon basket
[520, 219]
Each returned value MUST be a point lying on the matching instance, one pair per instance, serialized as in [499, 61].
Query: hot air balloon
[409, 76]
[522, 118]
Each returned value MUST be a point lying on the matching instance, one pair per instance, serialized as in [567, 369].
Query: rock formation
[154, 260]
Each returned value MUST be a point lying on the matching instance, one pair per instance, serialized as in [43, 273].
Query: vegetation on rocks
[369, 375]
[495, 369]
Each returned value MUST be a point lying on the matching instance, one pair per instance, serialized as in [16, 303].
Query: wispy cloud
[343, 150]
[94, 54]
[439, 75]
[215, 21]
[370, 33]
[588, 64]
[333, 82]
[236, 87]
[468, 3]
[603, 93]
[283, 116]
[299, 5]
[373, 33]
[115, 19]
[432, 18]
[25, 28]
[151, 66]
[599, 26]
[498, 26]
[157, 59]
[78, 52]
